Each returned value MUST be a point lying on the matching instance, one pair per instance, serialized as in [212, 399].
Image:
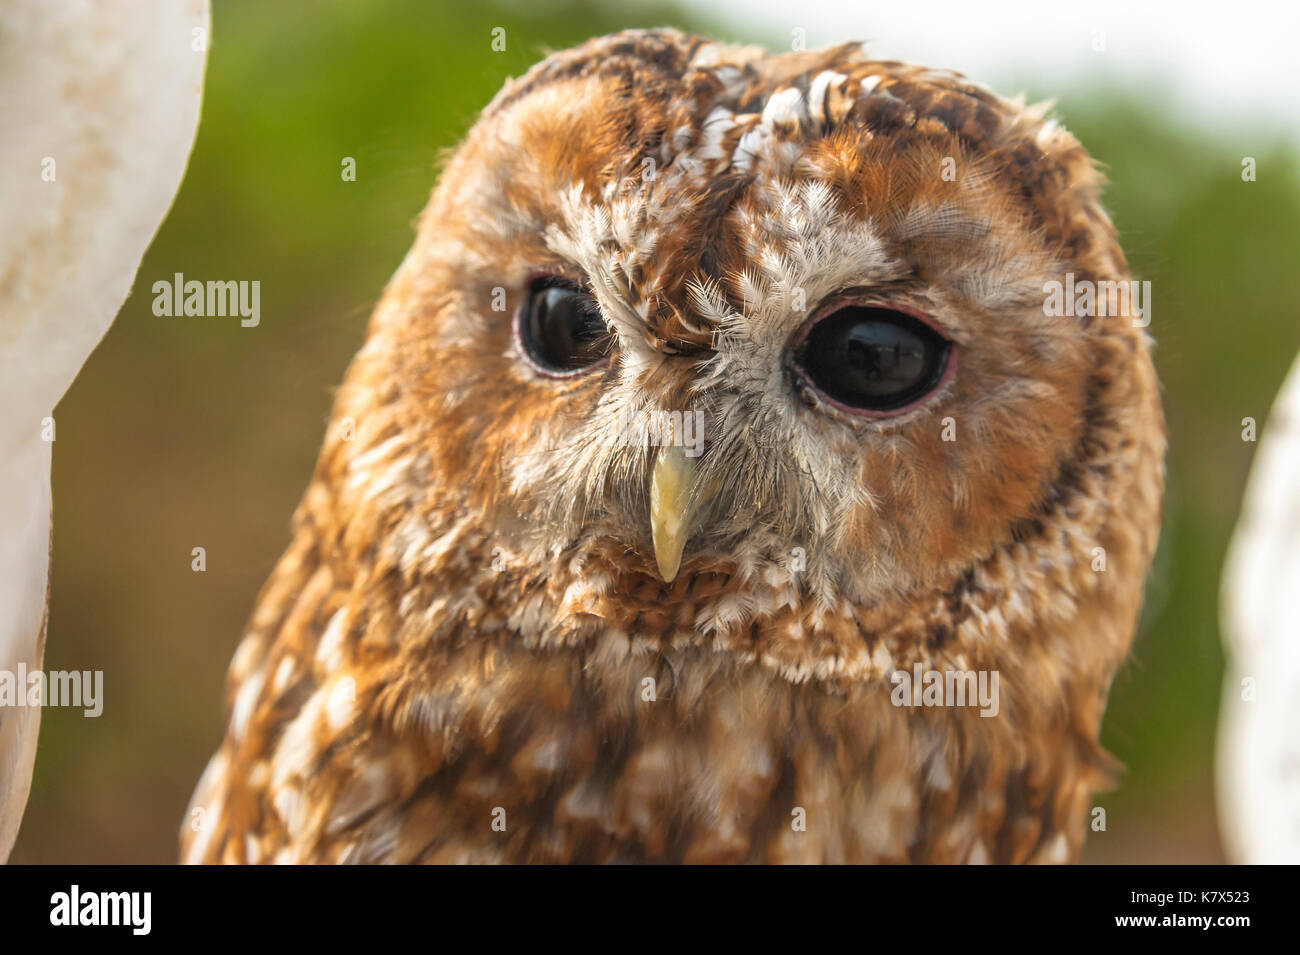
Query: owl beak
[674, 500]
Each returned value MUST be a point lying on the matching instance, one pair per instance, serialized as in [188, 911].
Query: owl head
[703, 343]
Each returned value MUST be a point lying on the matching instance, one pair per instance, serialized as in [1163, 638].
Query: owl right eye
[873, 360]
[560, 329]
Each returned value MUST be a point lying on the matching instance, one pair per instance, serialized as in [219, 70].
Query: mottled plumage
[450, 663]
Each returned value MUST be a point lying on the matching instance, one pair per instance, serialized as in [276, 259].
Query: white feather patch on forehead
[769, 143]
[818, 113]
[717, 124]
[785, 106]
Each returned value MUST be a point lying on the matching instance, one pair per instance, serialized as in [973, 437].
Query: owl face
[833, 268]
[717, 388]
[679, 310]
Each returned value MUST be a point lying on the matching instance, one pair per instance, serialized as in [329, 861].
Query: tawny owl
[712, 449]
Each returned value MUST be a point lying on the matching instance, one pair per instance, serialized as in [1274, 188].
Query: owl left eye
[560, 328]
[872, 360]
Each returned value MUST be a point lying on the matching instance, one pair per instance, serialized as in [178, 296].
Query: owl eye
[560, 328]
[872, 359]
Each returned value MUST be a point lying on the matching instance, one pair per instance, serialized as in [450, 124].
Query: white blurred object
[1258, 762]
[99, 103]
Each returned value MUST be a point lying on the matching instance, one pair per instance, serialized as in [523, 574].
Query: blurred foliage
[196, 432]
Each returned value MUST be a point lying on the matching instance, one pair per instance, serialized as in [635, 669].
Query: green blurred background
[183, 433]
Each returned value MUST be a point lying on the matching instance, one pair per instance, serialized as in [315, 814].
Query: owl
[715, 484]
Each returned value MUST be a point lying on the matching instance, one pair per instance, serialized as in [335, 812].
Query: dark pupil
[564, 331]
[873, 358]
